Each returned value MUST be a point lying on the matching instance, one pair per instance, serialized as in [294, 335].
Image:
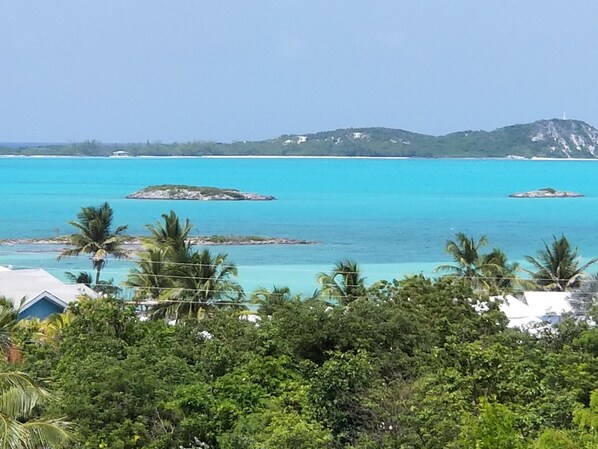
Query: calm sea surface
[391, 216]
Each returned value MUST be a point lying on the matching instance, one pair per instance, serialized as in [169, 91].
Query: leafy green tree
[20, 398]
[557, 267]
[94, 236]
[189, 284]
[587, 421]
[495, 427]
[277, 428]
[585, 436]
[556, 439]
[344, 284]
[303, 330]
[114, 371]
[239, 408]
[335, 390]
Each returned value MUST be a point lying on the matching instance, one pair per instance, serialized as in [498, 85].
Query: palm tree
[557, 266]
[499, 273]
[465, 252]
[83, 277]
[201, 284]
[268, 300]
[19, 399]
[95, 237]
[483, 270]
[151, 276]
[50, 329]
[9, 316]
[170, 235]
[345, 284]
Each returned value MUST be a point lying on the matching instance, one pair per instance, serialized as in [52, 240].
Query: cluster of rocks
[547, 192]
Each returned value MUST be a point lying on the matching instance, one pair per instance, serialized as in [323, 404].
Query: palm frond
[51, 432]
[12, 434]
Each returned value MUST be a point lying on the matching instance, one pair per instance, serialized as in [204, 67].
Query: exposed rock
[546, 192]
[134, 243]
[182, 192]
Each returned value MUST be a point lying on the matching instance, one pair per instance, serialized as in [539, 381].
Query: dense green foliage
[416, 363]
[542, 138]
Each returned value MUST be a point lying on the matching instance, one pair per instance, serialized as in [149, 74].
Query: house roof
[514, 309]
[535, 307]
[35, 284]
[545, 303]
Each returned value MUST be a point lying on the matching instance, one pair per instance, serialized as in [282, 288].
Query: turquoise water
[391, 216]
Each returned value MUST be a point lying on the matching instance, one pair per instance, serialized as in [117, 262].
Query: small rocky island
[546, 192]
[134, 243]
[183, 192]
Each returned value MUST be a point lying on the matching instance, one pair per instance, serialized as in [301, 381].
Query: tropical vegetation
[22, 427]
[490, 271]
[95, 237]
[344, 285]
[184, 281]
[557, 266]
[419, 362]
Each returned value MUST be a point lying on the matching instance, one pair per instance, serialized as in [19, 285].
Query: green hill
[544, 138]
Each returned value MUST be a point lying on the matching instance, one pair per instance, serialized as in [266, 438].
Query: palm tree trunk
[98, 276]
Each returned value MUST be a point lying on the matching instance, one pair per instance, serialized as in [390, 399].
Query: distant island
[197, 193]
[553, 138]
[547, 192]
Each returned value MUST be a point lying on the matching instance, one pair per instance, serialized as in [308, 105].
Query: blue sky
[178, 70]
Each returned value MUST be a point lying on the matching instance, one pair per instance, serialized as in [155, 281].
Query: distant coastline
[544, 139]
[523, 159]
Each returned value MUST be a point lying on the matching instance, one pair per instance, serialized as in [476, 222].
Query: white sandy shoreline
[514, 159]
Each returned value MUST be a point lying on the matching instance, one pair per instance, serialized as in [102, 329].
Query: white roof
[524, 322]
[546, 303]
[514, 308]
[33, 284]
[536, 307]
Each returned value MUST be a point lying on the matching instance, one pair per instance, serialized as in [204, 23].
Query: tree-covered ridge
[544, 138]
